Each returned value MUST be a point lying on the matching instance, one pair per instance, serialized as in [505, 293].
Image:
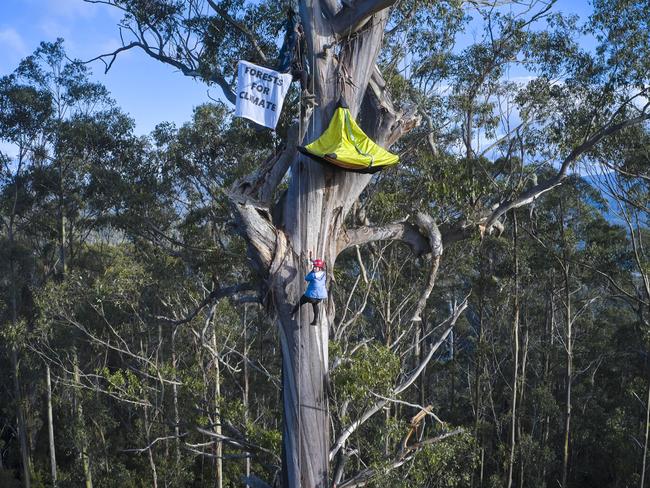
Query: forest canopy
[488, 317]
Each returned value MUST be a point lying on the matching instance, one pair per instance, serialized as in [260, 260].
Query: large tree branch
[157, 53]
[413, 235]
[262, 183]
[538, 190]
[389, 123]
[253, 223]
[402, 231]
[355, 14]
[428, 226]
[457, 232]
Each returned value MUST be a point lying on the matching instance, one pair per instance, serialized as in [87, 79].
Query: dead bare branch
[216, 294]
[262, 183]
[408, 381]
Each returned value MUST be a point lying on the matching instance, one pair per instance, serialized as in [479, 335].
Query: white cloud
[52, 29]
[78, 9]
[12, 40]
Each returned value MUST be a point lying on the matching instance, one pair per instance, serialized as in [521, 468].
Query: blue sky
[146, 89]
[149, 91]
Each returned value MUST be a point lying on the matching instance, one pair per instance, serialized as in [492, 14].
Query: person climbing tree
[316, 291]
[291, 56]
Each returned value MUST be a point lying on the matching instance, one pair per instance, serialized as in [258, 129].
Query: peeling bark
[429, 227]
[50, 425]
[402, 231]
[308, 218]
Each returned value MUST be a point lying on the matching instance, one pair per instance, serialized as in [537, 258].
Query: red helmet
[319, 263]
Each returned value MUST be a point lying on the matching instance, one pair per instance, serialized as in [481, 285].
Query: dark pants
[315, 302]
[302, 76]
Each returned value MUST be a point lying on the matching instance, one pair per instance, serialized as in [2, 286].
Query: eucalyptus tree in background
[23, 112]
[575, 100]
[64, 150]
[65, 146]
[623, 174]
[64, 128]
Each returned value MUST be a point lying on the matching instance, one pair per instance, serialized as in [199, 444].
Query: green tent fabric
[344, 144]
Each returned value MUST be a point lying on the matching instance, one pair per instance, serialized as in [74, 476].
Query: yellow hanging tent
[344, 144]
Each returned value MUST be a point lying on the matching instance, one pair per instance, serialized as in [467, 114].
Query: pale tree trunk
[515, 340]
[50, 424]
[568, 379]
[310, 217]
[83, 440]
[550, 333]
[152, 461]
[246, 392]
[522, 384]
[478, 371]
[569, 356]
[15, 364]
[177, 416]
[22, 426]
[645, 442]
[149, 422]
[61, 223]
[218, 451]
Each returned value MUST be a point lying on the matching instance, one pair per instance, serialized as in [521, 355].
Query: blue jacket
[316, 287]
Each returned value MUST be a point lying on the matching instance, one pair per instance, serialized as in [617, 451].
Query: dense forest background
[136, 349]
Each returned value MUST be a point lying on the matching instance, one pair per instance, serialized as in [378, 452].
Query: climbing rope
[298, 169]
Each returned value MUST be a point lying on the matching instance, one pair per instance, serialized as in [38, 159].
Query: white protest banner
[260, 93]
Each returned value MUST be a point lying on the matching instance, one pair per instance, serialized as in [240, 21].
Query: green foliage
[370, 369]
[113, 245]
[447, 464]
